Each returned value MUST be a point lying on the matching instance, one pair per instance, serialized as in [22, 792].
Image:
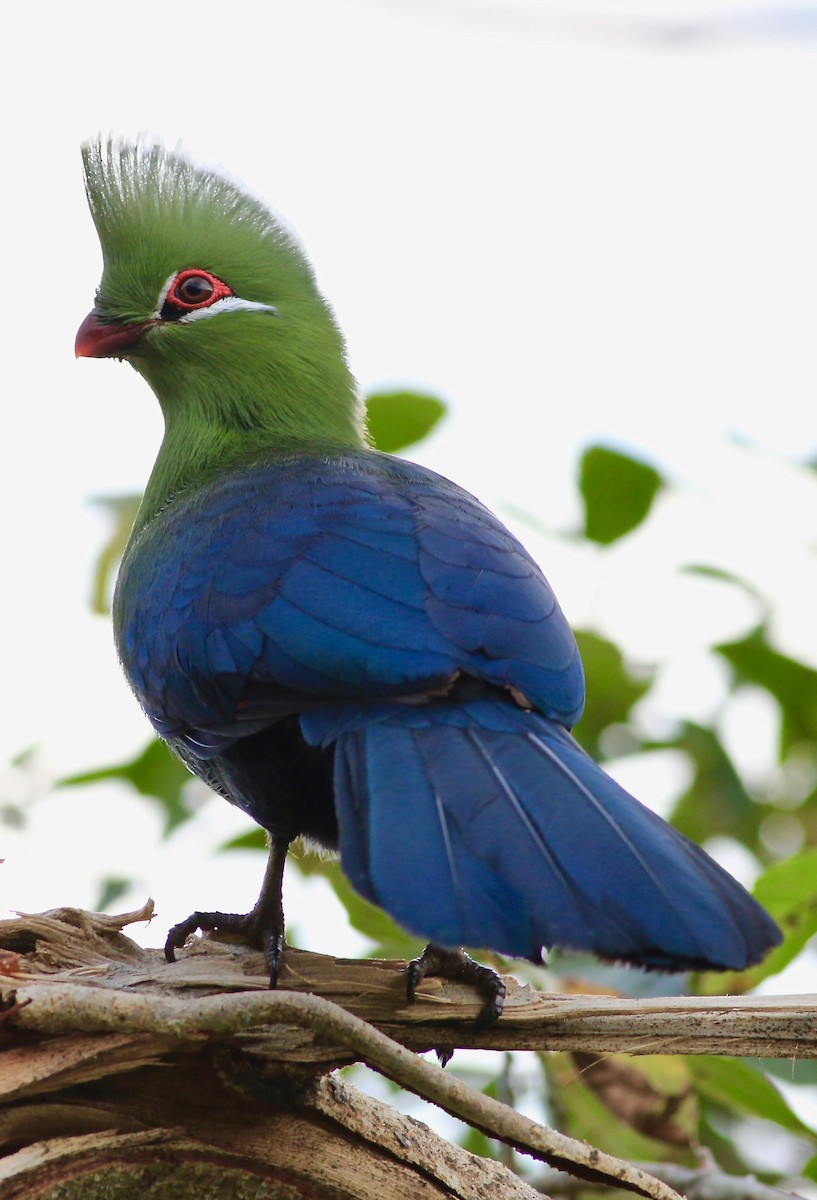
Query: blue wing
[369, 605]
[361, 576]
[481, 824]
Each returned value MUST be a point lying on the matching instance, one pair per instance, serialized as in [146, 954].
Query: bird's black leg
[456, 964]
[263, 927]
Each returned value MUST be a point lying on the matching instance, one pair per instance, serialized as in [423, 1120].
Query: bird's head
[210, 299]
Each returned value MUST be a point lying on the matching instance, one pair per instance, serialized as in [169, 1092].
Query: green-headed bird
[348, 646]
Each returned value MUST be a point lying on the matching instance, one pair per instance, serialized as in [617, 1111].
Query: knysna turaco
[346, 645]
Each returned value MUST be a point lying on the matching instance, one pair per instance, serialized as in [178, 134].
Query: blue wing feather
[519, 840]
[358, 576]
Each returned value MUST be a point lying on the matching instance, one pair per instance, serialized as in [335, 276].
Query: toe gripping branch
[459, 966]
[247, 925]
[263, 927]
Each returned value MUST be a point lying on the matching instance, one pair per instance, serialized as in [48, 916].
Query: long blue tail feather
[478, 823]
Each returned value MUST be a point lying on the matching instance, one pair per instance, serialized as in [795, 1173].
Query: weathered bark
[122, 1075]
[101, 1099]
[188, 1127]
[73, 946]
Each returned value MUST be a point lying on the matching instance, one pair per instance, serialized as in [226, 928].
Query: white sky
[572, 227]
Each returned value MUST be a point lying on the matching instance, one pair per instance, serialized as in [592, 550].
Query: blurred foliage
[111, 891]
[399, 419]
[616, 689]
[716, 803]
[791, 683]
[660, 1108]
[640, 1109]
[738, 1086]
[618, 493]
[155, 773]
[121, 511]
[788, 890]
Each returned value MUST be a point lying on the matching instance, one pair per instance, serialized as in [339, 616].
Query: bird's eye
[190, 291]
[195, 289]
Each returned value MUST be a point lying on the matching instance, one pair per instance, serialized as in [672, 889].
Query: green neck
[223, 411]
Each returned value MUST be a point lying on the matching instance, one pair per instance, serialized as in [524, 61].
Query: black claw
[179, 934]
[274, 945]
[416, 972]
[459, 966]
[245, 924]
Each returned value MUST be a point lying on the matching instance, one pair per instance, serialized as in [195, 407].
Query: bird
[348, 646]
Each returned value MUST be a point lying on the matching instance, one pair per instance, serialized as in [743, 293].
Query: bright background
[574, 223]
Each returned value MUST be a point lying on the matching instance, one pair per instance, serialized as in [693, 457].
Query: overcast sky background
[574, 223]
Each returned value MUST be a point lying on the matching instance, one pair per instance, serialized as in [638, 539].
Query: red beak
[95, 339]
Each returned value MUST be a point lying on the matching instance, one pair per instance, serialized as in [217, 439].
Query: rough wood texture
[199, 1136]
[69, 946]
[124, 1074]
[120, 1107]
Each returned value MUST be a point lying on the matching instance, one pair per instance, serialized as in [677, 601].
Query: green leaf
[618, 492]
[122, 510]
[391, 941]
[788, 892]
[788, 889]
[156, 773]
[111, 889]
[25, 758]
[792, 683]
[713, 1134]
[721, 575]
[802, 1072]
[716, 802]
[399, 419]
[474, 1140]
[584, 1116]
[735, 1085]
[253, 839]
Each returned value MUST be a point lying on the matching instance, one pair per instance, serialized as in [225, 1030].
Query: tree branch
[74, 980]
[63, 1008]
[58, 944]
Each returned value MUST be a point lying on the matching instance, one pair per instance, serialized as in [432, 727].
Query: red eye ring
[191, 290]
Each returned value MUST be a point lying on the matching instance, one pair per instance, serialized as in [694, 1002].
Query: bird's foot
[459, 966]
[249, 925]
[263, 927]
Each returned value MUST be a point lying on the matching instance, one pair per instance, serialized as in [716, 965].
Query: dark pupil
[194, 290]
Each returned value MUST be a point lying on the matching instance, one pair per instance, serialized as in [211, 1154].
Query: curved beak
[96, 339]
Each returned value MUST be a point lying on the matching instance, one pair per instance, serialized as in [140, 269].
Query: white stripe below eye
[227, 304]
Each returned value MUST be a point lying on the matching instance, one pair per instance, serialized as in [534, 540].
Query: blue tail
[480, 824]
